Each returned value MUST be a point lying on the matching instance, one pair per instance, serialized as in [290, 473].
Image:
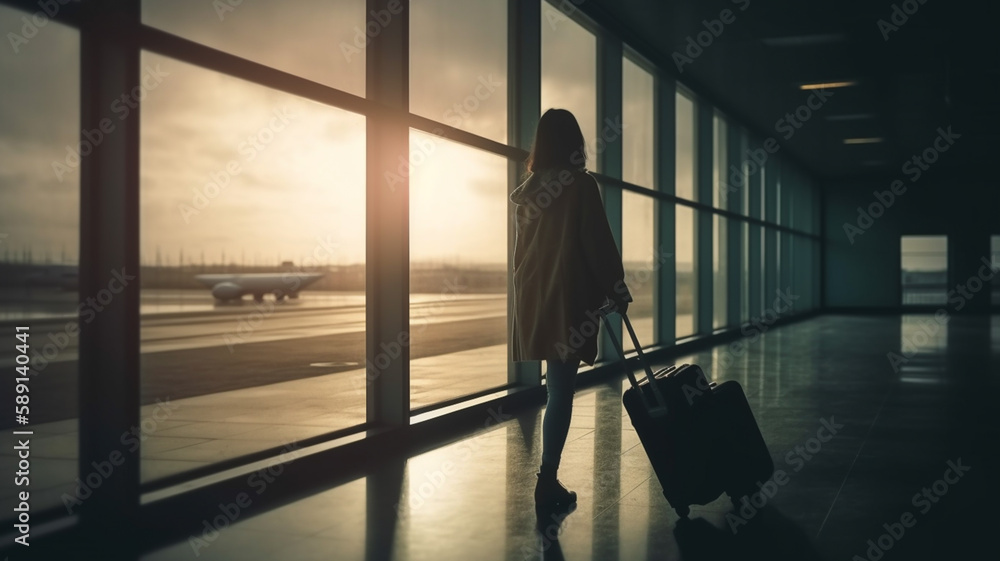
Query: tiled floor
[472, 499]
[899, 429]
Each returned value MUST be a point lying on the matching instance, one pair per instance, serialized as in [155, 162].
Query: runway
[191, 346]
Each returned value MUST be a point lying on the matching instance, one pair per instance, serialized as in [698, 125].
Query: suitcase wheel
[683, 511]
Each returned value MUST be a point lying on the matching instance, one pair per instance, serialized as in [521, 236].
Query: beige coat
[566, 263]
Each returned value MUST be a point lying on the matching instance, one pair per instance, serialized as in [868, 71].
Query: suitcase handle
[658, 408]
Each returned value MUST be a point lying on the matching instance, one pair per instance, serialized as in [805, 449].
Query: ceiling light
[864, 140]
[828, 85]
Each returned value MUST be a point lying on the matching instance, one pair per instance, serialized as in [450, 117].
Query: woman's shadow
[548, 526]
[768, 535]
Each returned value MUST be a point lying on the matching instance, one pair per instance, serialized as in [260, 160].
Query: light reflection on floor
[471, 499]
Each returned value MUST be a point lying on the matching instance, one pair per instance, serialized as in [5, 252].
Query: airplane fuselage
[232, 286]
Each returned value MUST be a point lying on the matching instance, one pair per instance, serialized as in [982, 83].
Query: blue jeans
[561, 385]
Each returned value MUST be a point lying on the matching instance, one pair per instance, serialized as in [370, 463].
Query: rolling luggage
[701, 437]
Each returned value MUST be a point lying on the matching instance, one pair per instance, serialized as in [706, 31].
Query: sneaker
[549, 492]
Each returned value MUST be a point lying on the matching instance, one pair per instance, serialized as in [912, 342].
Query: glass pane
[40, 143]
[641, 264]
[747, 180]
[687, 288]
[762, 185]
[463, 46]
[720, 188]
[719, 272]
[569, 74]
[637, 210]
[778, 195]
[320, 40]
[790, 196]
[788, 261]
[924, 268]
[685, 164]
[762, 234]
[638, 144]
[458, 270]
[247, 191]
[745, 277]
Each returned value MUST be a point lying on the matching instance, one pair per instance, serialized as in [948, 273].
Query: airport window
[720, 184]
[39, 255]
[463, 45]
[685, 161]
[762, 234]
[745, 276]
[748, 181]
[779, 257]
[637, 117]
[638, 253]
[720, 272]
[252, 246]
[458, 270]
[641, 265]
[924, 269]
[321, 40]
[762, 185]
[569, 74]
[779, 186]
[687, 285]
[255, 204]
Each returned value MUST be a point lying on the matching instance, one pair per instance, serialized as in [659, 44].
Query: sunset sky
[300, 182]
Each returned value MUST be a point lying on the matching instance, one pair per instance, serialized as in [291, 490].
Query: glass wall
[639, 167]
[458, 258]
[721, 187]
[686, 249]
[41, 309]
[569, 74]
[458, 270]
[252, 246]
[463, 45]
[256, 203]
[720, 272]
[685, 141]
[315, 39]
[687, 285]
[924, 269]
[745, 275]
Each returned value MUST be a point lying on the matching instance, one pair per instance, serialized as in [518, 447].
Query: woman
[566, 266]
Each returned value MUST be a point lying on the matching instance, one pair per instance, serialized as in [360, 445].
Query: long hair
[558, 143]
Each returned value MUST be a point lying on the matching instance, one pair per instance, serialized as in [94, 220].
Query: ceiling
[940, 68]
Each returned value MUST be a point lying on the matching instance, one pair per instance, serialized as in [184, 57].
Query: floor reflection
[472, 498]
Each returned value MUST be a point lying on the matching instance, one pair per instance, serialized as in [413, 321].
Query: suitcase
[742, 443]
[701, 437]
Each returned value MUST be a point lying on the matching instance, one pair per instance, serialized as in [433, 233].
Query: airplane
[234, 286]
